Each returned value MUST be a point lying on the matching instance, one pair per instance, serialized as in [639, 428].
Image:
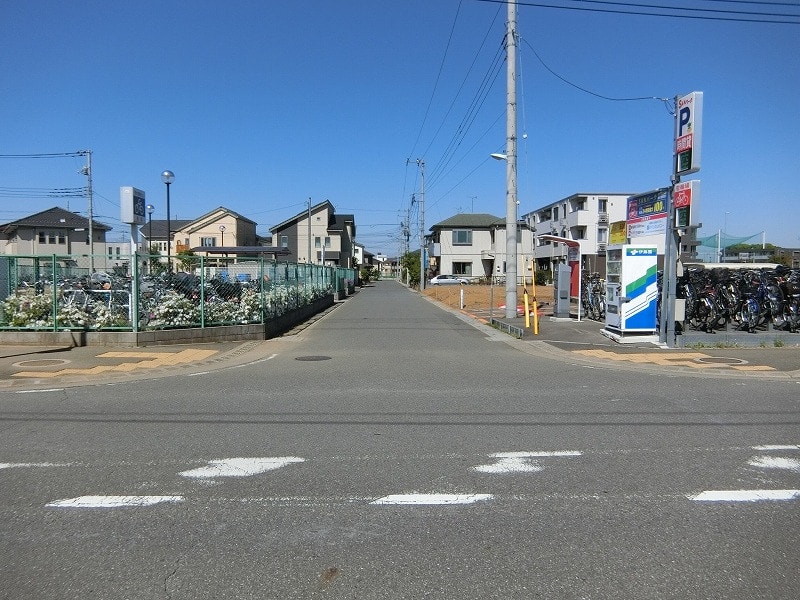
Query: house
[55, 231]
[473, 245]
[318, 236]
[220, 230]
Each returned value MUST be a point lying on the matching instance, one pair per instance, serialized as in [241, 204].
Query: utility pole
[511, 162]
[422, 270]
[87, 170]
[308, 260]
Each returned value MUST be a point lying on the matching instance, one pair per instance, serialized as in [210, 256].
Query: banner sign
[647, 213]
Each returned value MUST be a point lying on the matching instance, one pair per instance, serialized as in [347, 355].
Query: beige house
[318, 236]
[220, 229]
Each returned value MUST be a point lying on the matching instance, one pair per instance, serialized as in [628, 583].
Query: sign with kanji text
[688, 133]
[685, 199]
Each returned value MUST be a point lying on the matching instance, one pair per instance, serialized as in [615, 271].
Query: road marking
[432, 499]
[521, 462]
[775, 462]
[240, 467]
[27, 465]
[113, 501]
[777, 447]
[744, 495]
[40, 391]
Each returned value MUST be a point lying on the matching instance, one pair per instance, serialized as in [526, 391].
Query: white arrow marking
[428, 499]
[240, 467]
[521, 462]
[744, 495]
[113, 501]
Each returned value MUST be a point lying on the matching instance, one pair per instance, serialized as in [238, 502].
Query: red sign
[682, 197]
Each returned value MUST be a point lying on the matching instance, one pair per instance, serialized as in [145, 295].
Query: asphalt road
[395, 450]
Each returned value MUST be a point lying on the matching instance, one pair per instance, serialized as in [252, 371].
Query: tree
[410, 264]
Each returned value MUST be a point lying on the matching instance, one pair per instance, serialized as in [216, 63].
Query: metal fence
[143, 292]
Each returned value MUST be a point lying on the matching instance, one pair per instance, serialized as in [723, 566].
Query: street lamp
[168, 177]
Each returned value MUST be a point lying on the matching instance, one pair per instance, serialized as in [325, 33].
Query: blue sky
[258, 106]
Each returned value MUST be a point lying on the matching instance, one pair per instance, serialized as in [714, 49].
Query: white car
[448, 280]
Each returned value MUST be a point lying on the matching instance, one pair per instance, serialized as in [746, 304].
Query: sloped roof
[470, 220]
[160, 227]
[303, 215]
[214, 215]
[55, 218]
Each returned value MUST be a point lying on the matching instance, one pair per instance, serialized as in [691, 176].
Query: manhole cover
[720, 360]
[313, 358]
[45, 362]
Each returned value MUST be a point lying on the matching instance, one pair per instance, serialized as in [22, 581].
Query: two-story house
[473, 245]
[220, 228]
[55, 231]
[318, 236]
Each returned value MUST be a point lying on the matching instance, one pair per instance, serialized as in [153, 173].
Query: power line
[720, 15]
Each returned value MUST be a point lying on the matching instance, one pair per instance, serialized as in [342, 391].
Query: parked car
[448, 280]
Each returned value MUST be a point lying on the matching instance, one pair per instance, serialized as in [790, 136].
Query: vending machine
[631, 288]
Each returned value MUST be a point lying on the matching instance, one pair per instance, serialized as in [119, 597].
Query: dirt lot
[477, 297]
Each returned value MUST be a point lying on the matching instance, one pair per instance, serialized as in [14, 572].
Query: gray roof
[55, 218]
[470, 220]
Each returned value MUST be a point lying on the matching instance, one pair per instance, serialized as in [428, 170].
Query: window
[602, 205]
[284, 241]
[555, 213]
[42, 237]
[462, 237]
[208, 241]
[327, 242]
[462, 268]
[602, 235]
[62, 238]
[317, 242]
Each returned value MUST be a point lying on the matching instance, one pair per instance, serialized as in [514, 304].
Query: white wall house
[473, 245]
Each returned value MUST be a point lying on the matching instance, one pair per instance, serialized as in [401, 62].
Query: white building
[584, 217]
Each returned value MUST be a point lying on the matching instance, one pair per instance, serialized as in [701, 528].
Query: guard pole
[527, 309]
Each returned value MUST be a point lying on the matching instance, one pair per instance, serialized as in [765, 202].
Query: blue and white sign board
[132, 206]
[632, 297]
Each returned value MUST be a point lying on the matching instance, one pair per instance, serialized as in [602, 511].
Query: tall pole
[168, 177]
[308, 260]
[421, 163]
[87, 170]
[511, 162]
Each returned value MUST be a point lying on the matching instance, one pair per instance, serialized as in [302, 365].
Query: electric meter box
[631, 288]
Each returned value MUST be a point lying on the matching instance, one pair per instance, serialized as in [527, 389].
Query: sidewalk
[707, 353]
[58, 366]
